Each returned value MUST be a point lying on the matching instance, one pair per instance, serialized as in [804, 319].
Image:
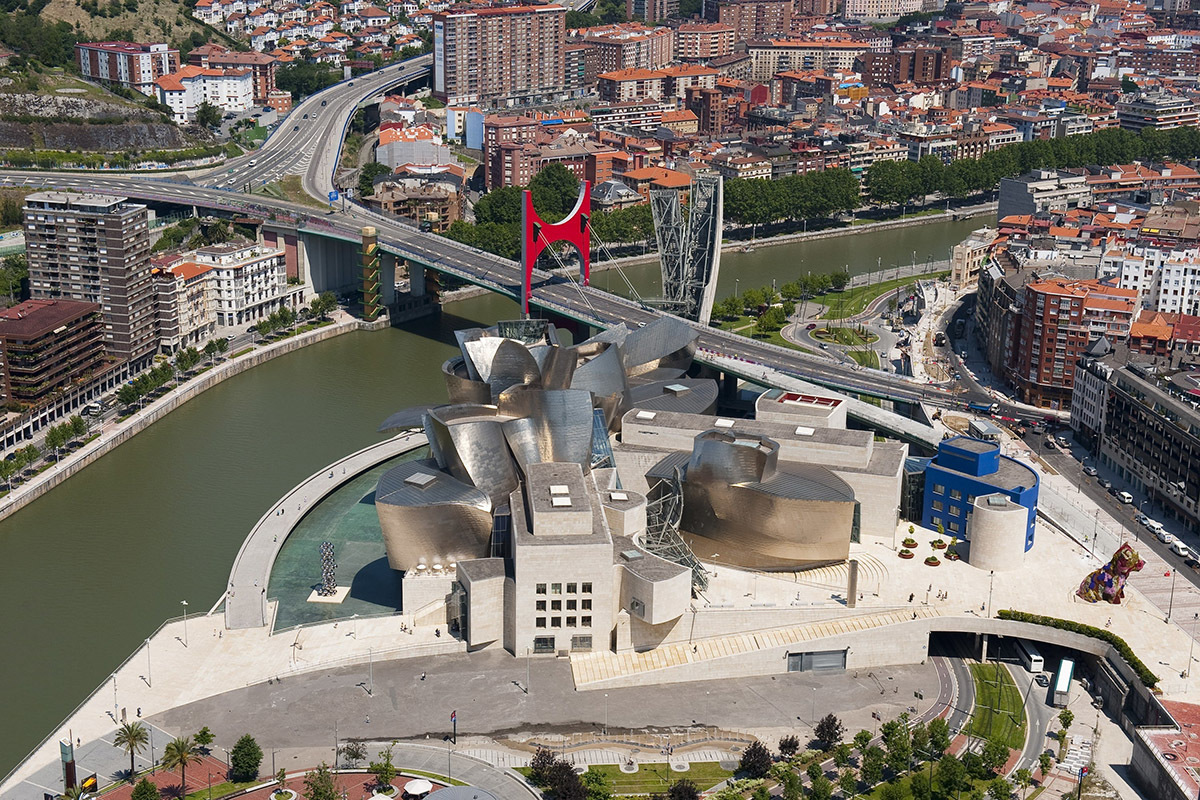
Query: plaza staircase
[604, 667]
[872, 574]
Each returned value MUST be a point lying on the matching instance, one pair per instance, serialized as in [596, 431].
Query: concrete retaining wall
[160, 408]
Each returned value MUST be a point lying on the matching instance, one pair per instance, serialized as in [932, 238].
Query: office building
[502, 56]
[133, 65]
[96, 249]
[46, 346]
[1043, 190]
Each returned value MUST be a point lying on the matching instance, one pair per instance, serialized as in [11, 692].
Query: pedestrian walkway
[606, 666]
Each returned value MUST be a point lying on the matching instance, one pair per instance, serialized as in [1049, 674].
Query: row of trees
[896, 182]
[795, 197]
[279, 319]
[144, 384]
[16, 463]
[918, 750]
[558, 778]
[245, 758]
[58, 436]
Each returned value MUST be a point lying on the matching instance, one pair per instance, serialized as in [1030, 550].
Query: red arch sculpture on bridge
[537, 235]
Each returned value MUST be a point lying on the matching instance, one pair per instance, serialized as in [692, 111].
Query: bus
[1062, 684]
[1030, 657]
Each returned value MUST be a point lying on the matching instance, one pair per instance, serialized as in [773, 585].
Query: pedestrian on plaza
[910, 597]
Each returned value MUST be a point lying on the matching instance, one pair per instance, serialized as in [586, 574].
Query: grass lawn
[223, 788]
[926, 213]
[775, 337]
[999, 708]
[290, 189]
[654, 778]
[241, 352]
[434, 776]
[736, 322]
[868, 358]
[847, 336]
[905, 782]
[849, 302]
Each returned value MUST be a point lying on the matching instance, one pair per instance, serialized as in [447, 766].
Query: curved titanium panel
[469, 444]
[481, 353]
[557, 365]
[512, 365]
[719, 457]
[600, 372]
[666, 342]
[403, 420]
[551, 425]
[460, 387]
[441, 520]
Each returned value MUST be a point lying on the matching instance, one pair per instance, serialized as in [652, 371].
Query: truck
[1062, 683]
[987, 408]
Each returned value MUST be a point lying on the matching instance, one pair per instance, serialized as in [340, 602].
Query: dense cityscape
[584, 400]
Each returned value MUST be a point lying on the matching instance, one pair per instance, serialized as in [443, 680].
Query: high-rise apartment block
[134, 65]
[753, 19]
[45, 345]
[631, 46]
[503, 56]
[96, 249]
[701, 41]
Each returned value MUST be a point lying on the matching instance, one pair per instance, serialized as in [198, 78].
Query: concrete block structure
[998, 531]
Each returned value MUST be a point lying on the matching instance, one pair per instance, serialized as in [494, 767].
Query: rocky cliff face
[57, 122]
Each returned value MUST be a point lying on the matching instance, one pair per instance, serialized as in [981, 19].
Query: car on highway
[295, 128]
[1090, 470]
[306, 116]
[1041, 680]
[322, 103]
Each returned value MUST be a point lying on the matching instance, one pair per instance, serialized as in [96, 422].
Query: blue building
[965, 468]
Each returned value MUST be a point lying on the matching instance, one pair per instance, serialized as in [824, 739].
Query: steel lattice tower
[689, 248]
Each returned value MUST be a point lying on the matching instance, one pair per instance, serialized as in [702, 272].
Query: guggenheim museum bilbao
[577, 497]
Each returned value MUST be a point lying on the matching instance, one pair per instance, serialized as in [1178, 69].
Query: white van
[1125, 497]
[1180, 549]
[254, 162]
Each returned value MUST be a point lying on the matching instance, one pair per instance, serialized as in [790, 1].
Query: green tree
[920, 786]
[597, 787]
[540, 766]
[760, 793]
[999, 789]
[131, 737]
[994, 754]
[203, 738]
[919, 739]
[30, 454]
[1065, 718]
[79, 425]
[839, 280]
[1045, 762]
[319, 784]
[502, 206]
[367, 176]
[894, 791]
[353, 752]
[222, 346]
[788, 745]
[871, 765]
[1023, 778]
[848, 783]
[245, 758]
[841, 755]
[555, 189]
[208, 115]
[303, 78]
[756, 761]
[951, 774]
[814, 770]
[383, 769]
[1128, 85]
[683, 789]
[939, 735]
[180, 752]
[862, 740]
[55, 439]
[821, 788]
[770, 320]
[145, 790]
[8, 468]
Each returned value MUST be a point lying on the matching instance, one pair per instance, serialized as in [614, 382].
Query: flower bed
[909, 542]
[932, 561]
[906, 553]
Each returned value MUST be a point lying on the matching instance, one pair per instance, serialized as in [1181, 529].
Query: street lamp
[606, 713]
[185, 639]
[991, 585]
[149, 680]
[814, 707]
[1192, 646]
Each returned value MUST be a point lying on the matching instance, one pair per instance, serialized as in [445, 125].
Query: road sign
[333, 196]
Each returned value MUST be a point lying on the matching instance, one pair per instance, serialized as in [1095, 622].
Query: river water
[94, 567]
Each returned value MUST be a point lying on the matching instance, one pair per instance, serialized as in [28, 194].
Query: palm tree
[76, 792]
[179, 753]
[131, 737]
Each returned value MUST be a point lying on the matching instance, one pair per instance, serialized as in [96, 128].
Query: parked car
[1192, 564]
[1114, 491]
[1181, 549]
[1125, 497]
[1090, 470]
[1140, 518]
[812, 326]
[1104, 483]
[1041, 680]
[1050, 445]
[1164, 536]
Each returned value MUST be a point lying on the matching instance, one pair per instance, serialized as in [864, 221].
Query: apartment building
[96, 249]
[1157, 110]
[702, 41]
[501, 56]
[1042, 190]
[1056, 321]
[753, 19]
[134, 65]
[46, 346]
[186, 303]
[261, 67]
[631, 46]
[917, 65]
[503, 137]
[879, 9]
[651, 10]
[249, 281]
[772, 56]
[187, 89]
[626, 85]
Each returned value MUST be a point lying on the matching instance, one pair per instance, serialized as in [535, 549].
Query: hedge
[1143, 672]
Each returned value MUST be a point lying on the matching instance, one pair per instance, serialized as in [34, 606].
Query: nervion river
[94, 567]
